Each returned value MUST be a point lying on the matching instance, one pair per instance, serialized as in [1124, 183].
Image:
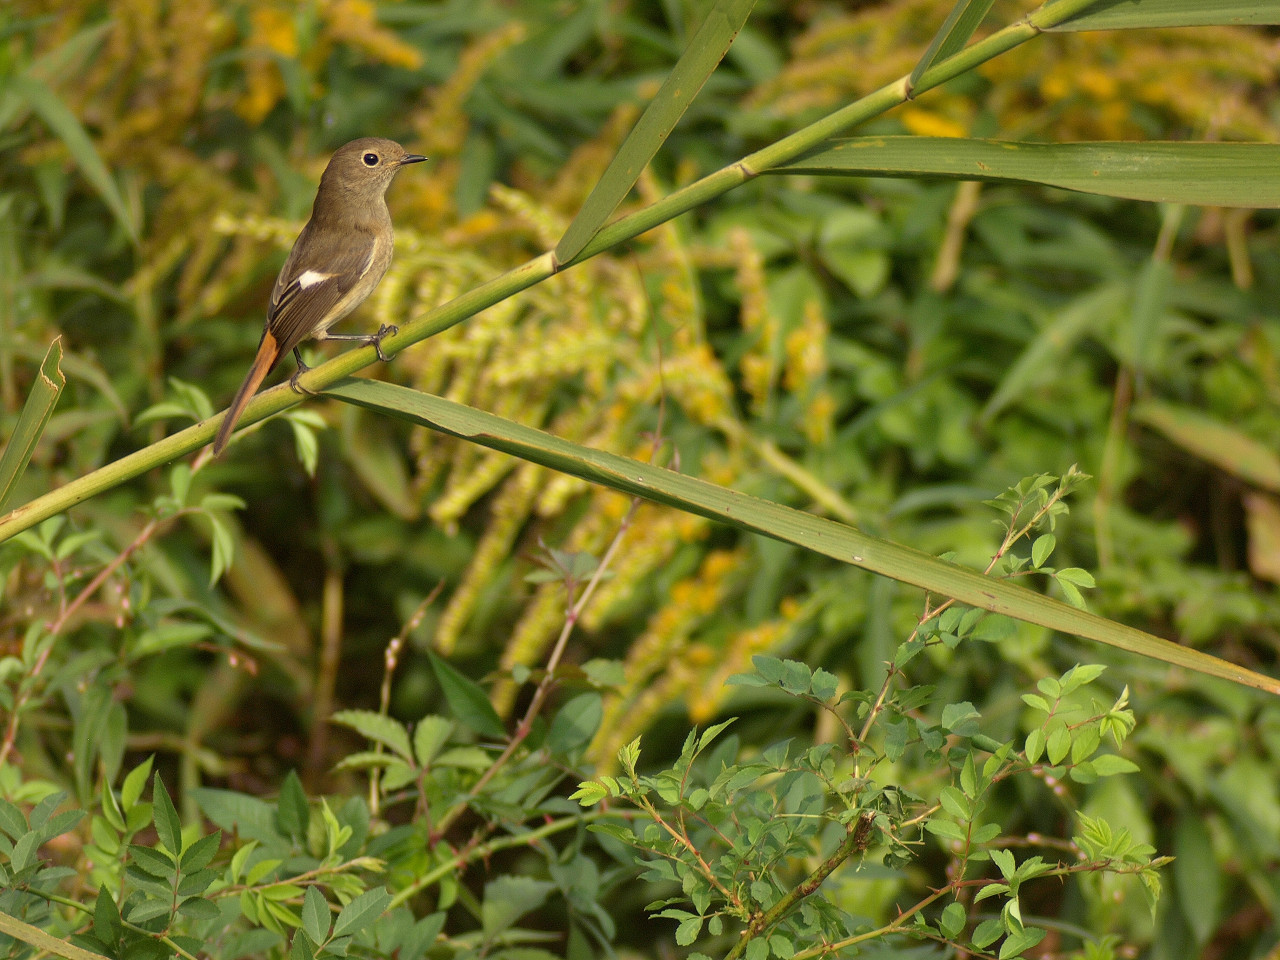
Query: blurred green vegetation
[889, 353]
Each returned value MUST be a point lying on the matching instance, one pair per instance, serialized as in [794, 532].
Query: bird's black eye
[370, 159]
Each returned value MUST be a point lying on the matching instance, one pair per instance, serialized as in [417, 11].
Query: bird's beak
[410, 158]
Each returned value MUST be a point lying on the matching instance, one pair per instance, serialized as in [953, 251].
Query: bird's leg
[302, 368]
[375, 339]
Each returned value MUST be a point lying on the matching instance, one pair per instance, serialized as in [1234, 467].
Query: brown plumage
[337, 260]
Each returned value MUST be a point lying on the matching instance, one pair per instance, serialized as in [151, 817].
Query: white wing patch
[309, 278]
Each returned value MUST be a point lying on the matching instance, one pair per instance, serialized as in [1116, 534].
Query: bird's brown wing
[306, 294]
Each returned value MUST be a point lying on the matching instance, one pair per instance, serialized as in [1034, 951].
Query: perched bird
[335, 263]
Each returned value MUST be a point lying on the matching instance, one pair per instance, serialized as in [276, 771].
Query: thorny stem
[549, 678]
[485, 850]
[390, 660]
[679, 837]
[856, 839]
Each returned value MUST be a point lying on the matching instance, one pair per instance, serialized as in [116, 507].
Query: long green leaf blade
[741, 510]
[33, 419]
[955, 32]
[707, 48]
[1209, 174]
[1134, 14]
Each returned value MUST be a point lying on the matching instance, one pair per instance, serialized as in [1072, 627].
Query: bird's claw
[294, 383]
[385, 330]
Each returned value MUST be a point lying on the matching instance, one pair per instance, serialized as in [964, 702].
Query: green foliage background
[888, 353]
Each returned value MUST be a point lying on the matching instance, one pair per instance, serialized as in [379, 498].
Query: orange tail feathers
[268, 354]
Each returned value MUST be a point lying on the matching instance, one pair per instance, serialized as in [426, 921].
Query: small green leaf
[165, 817]
[1081, 578]
[238, 813]
[955, 803]
[361, 912]
[467, 700]
[106, 918]
[796, 677]
[589, 793]
[149, 910]
[1020, 942]
[1086, 741]
[315, 915]
[305, 444]
[575, 723]
[1042, 548]
[945, 829]
[969, 777]
[302, 947]
[195, 884]
[1071, 593]
[293, 812]
[106, 836]
[991, 890]
[239, 858]
[1003, 859]
[134, 783]
[199, 908]
[223, 548]
[960, 718]
[1110, 764]
[261, 869]
[987, 933]
[153, 862]
[12, 822]
[687, 931]
[825, 684]
[1058, 743]
[429, 735]
[201, 853]
[379, 728]
[1083, 772]
[952, 921]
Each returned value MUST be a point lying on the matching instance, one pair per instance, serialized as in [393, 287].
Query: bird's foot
[294, 383]
[385, 330]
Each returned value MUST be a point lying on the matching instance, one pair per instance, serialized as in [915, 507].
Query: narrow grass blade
[1209, 174]
[706, 50]
[746, 512]
[1130, 14]
[959, 26]
[46, 105]
[1090, 311]
[32, 421]
[1213, 441]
